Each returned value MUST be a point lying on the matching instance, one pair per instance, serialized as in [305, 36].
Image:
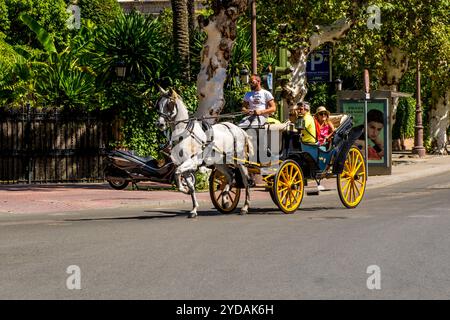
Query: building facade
[153, 7]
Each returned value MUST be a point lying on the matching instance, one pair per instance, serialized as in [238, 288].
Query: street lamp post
[254, 50]
[243, 74]
[338, 84]
[120, 69]
[418, 132]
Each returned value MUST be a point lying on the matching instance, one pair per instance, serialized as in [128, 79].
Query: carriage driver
[258, 104]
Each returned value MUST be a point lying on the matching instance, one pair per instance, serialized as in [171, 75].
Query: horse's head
[166, 108]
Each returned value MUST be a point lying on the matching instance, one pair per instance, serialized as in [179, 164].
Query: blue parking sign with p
[318, 66]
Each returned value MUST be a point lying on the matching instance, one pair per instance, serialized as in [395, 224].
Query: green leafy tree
[51, 14]
[410, 31]
[4, 19]
[301, 27]
[134, 40]
[100, 12]
[140, 44]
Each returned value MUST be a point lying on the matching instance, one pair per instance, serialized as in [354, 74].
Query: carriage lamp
[243, 74]
[300, 123]
[338, 84]
[120, 69]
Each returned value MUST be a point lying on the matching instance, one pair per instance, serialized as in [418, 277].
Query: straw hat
[322, 109]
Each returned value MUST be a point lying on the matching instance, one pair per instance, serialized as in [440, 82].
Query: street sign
[318, 66]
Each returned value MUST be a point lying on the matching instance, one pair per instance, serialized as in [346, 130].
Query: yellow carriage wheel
[288, 187]
[351, 183]
[217, 183]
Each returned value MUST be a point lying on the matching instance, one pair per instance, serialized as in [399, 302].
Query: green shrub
[405, 119]
[202, 180]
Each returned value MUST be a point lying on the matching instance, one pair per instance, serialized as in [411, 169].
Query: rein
[226, 115]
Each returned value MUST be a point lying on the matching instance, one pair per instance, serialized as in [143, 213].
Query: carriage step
[313, 192]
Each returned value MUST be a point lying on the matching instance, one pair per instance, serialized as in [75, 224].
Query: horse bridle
[166, 117]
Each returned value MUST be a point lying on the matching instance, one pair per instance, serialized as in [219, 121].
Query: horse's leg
[187, 170]
[181, 172]
[190, 180]
[245, 177]
[224, 169]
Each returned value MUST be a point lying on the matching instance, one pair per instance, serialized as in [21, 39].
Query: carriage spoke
[286, 180]
[362, 184]
[282, 182]
[358, 190]
[220, 195]
[346, 189]
[359, 166]
[293, 178]
[347, 167]
[289, 203]
[283, 196]
[355, 196]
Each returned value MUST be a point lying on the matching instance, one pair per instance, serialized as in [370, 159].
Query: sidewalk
[58, 198]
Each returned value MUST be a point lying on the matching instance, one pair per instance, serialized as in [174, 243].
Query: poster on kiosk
[378, 148]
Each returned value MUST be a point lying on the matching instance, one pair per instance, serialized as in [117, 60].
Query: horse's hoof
[226, 204]
[192, 215]
[243, 212]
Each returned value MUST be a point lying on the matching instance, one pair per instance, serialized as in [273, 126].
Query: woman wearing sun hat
[324, 126]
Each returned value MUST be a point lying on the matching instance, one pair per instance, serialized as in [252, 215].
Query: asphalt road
[321, 252]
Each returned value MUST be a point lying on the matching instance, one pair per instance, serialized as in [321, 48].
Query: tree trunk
[295, 90]
[216, 54]
[191, 15]
[439, 121]
[181, 35]
[395, 64]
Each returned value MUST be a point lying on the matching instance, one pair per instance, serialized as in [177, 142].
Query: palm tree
[136, 41]
[181, 35]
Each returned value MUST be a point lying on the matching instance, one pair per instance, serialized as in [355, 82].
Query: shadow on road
[124, 218]
[209, 213]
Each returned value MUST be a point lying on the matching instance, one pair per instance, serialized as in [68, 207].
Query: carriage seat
[277, 126]
[338, 119]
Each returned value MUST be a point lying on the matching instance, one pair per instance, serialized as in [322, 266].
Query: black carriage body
[273, 146]
[313, 160]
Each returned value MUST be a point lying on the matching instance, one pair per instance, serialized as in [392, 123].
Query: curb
[428, 167]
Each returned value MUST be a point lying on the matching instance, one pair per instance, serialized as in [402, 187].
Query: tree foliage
[136, 41]
[290, 23]
[51, 14]
[100, 12]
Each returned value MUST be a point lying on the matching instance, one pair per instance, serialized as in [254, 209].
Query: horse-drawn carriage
[292, 162]
[279, 155]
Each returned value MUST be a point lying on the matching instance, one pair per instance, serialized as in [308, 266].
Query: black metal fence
[49, 146]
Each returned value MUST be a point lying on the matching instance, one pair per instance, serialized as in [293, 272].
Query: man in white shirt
[258, 104]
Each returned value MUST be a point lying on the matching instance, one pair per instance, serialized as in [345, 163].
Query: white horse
[220, 146]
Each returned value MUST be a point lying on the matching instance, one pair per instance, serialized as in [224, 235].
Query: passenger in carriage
[324, 126]
[259, 104]
[309, 133]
